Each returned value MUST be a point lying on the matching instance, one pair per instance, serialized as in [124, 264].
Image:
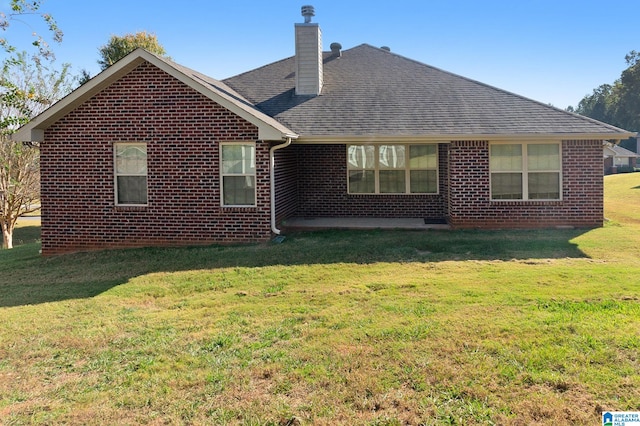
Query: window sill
[526, 202]
[238, 207]
[420, 194]
[131, 207]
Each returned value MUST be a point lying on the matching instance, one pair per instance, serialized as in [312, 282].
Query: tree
[627, 94]
[19, 184]
[28, 85]
[598, 105]
[84, 77]
[26, 89]
[20, 9]
[119, 47]
[618, 103]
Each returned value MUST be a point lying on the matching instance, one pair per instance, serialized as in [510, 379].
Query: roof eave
[445, 138]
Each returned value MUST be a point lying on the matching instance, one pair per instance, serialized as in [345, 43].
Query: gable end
[268, 128]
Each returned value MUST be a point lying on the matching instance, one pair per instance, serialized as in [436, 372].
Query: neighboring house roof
[370, 92]
[612, 150]
[268, 128]
[607, 151]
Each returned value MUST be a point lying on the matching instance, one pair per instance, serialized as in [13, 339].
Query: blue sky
[553, 51]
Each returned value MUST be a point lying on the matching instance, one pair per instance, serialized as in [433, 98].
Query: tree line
[617, 103]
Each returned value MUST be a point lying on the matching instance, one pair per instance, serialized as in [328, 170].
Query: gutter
[272, 180]
[447, 138]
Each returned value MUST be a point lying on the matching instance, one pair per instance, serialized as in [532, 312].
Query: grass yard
[364, 328]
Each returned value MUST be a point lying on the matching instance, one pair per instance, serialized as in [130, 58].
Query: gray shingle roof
[622, 152]
[221, 89]
[373, 92]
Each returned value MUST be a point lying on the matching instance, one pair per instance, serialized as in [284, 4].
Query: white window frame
[116, 175]
[525, 172]
[376, 169]
[620, 161]
[253, 174]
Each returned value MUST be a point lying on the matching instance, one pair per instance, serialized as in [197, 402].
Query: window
[238, 170]
[392, 169]
[130, 173]
[525, 171]
[620, 161]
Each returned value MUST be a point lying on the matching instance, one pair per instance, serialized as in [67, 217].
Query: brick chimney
[308, 55]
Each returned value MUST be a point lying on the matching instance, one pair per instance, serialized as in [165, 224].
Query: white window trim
[376, 169]
[116, 175]
[525, 172]
[254, 174]
[620, 161]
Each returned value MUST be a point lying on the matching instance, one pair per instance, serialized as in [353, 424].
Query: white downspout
[272, 179]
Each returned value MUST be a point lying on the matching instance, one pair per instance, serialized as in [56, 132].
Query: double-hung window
[526, 171]
[238, 174]
[392, 169]
[130, 173]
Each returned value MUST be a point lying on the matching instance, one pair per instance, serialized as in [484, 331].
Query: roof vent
[308, 12]
[387, 48]
[335, 49]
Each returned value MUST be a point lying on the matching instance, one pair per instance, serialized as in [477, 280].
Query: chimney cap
[308, 12]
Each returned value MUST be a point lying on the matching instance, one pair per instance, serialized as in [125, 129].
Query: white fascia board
[446, 138]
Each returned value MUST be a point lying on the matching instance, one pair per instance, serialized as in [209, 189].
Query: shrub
[626, 169]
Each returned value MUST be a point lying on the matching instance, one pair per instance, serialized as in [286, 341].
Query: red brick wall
[608, 164]
[182, 129]
[286, 183]
[582, 190]
[322, 189]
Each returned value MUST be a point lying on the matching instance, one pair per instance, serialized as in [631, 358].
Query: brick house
[617, 158]
[153, 153]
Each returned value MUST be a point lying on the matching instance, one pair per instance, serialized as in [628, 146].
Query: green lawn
[365, 328]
